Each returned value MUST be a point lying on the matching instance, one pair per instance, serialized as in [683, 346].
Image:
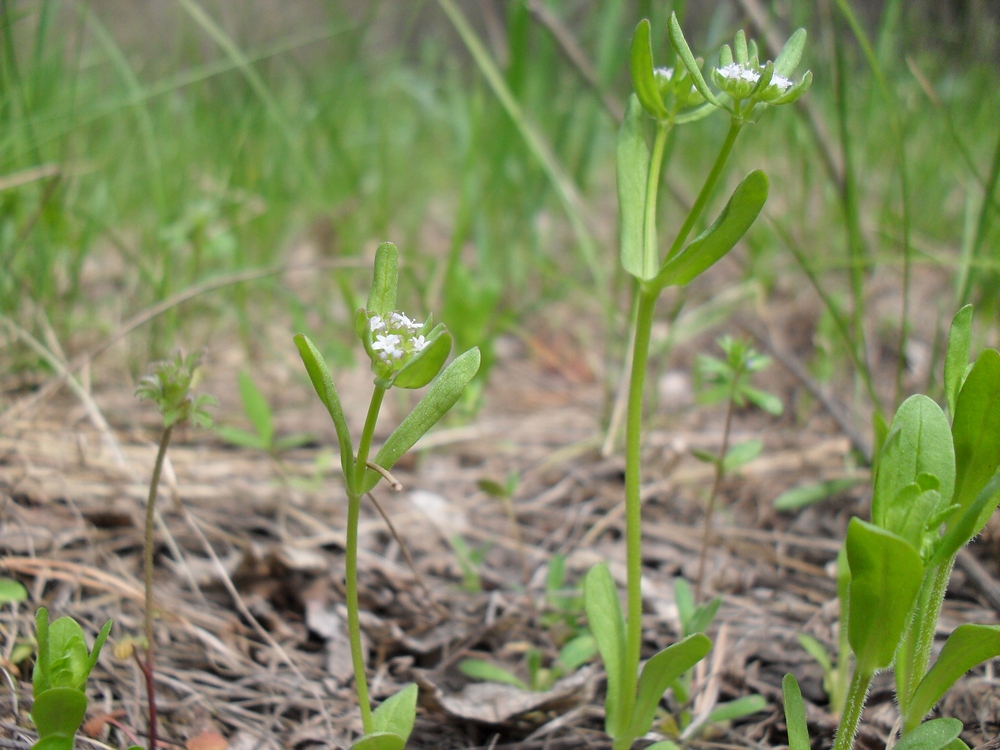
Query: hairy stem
[849, 719]
[148, 669]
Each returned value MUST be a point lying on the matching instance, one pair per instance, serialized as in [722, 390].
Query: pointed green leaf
[959, 533]
[808, 494]
[704, 615]
[641, 68]
[680, 45]
[423, 368]
[578, 652]
[658, 673]
[58, 712]
[607, 623]
[322, 382]
[632, 167]
[242, 438]
[816, 650]
[396, 713]
[976, 429]
[795, 92]
[956, 359]
[40, 675]
[736, 218]
[741, 454]
[919, 442]
[788, 59]
[763, 400]
[968, 646]
[932, 735]
[441, 396]
[795, 714]
[478, 669]
[256, 407]
[886, 573]
[382, 297]
[99, 642]
[737, 709]
[380, 741]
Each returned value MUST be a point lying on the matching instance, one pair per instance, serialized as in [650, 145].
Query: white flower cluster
[745, 73]
[396, 336]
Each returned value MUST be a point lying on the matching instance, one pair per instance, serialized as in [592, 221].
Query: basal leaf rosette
[404, 353]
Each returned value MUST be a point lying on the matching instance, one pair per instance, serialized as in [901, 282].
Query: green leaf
[736, 709]
[703, 616]
[658, 673]
[886, 573]
[680, 45]
[242, 438]
[632, 168]
[880, 431]
[763, 400]
[932, 735]
[790, 56]
[967, 526]
[322, 382]
[641, 68]
[257, 408]
[976, 429]
[684, 600]
[40, 675]
[795, 714]
[663, 745]
[741, 454]
[919, 442]
[493, 489]
[58, 712]
[57, 742]
[99, 642]
[740, 212]
[967, 647]
[607, 623]
[478, 669]
[382, 297]
[578, 652]
[396, 713]
[12, 591]
[956, 359]
[816, 650]
[705, 456]
[808, 494]
[740, 51]
[380, 741]
[422, 369]
[68, 654]
[441, 396]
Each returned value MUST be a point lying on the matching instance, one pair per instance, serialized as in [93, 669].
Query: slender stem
[716, 483]
[154, 485]
[353, 623]
[706, 190]
[849, 719]
[633, 511]
[354, 485]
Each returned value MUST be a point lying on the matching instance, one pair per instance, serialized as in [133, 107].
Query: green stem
[707, 189]
[849, 719]
[633, 508]
[354, 484]
[353, 624]
[154, 485]
[915, 651]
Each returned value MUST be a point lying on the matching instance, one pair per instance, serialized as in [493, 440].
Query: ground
[251, 639]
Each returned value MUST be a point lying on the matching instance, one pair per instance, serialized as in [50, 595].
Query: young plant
[404, 354]
[169, 385]
[258, 411]
[573, 655]
[728, 380]
[59, 678]
[936, 484]
[670, 96]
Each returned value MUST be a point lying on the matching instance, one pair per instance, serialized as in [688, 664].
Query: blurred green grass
[143, 151]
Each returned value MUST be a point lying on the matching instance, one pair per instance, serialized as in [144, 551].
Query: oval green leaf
[632, 168]
[607, 623]
[382, 297]
[396, 713]
[933, 735]
[795, 714]
[956, 359]
[58, 712]
[976, 430]
[422, 369]
[641, 69]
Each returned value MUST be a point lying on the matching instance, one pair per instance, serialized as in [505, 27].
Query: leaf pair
[629, 717]
[392, 722]
[59, 678]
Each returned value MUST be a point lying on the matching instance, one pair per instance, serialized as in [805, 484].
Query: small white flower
[737, 72]
[388, 344]
[781, 82]
[419, 343]
[667, 73]
[375, 323]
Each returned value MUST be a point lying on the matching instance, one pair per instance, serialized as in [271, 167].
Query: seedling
[60, 676]
[670, 96]
[405, 354]
[935, 486]
[258, 411]
[728, 380]
[169, 385]
[572, 656]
